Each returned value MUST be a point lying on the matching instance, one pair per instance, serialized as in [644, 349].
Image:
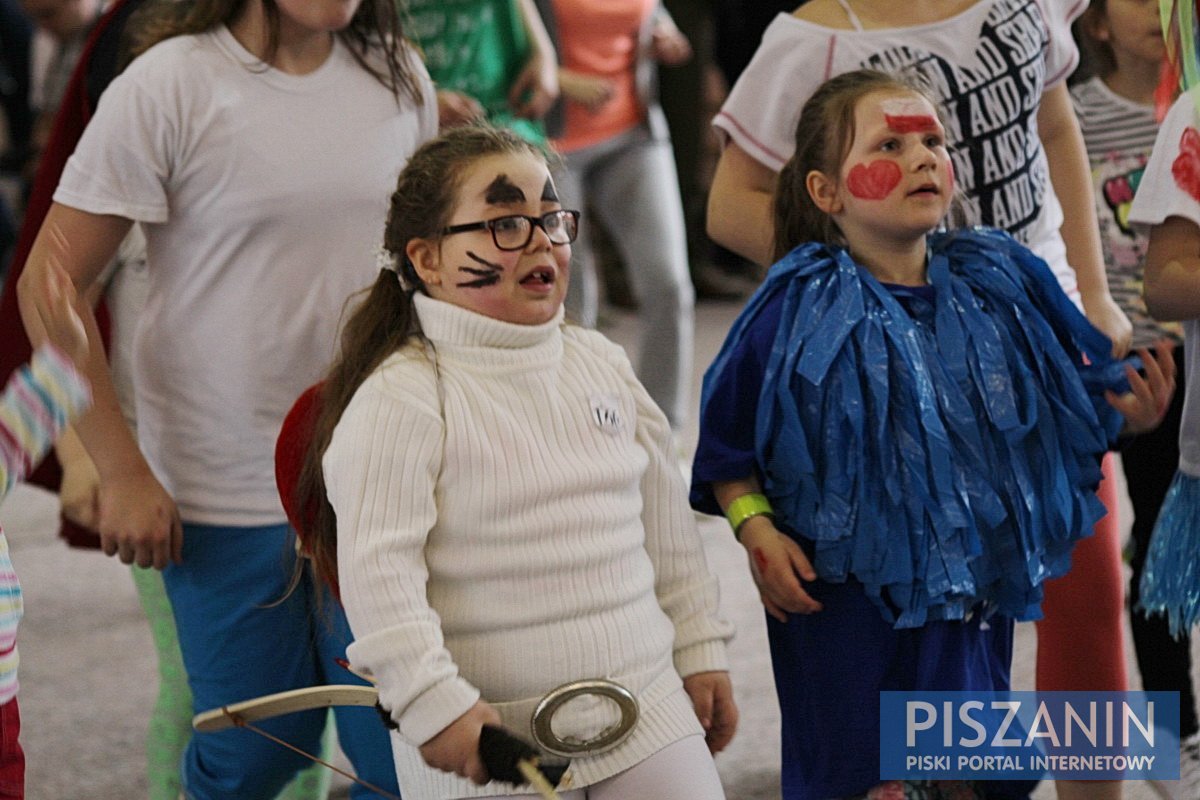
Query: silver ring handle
[606, 740]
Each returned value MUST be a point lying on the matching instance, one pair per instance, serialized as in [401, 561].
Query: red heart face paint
[873, 181]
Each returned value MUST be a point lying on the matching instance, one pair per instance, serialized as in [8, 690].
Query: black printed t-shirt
[988, 67]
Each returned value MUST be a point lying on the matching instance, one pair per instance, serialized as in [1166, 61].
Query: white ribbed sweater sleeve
[687, 591]
[381, 469]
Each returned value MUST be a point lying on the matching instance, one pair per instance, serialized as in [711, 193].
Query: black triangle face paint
[502, 191]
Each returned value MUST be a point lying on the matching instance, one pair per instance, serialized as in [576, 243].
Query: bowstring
[241, 723]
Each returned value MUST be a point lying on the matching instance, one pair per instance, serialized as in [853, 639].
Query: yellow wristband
[745, 507]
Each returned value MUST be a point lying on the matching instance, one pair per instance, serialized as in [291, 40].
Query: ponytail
[381, 324]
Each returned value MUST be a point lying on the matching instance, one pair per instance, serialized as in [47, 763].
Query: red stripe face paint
[911, 123]
[873, 181]
[908, 115]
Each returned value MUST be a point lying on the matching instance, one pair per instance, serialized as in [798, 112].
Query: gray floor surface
[87, 671]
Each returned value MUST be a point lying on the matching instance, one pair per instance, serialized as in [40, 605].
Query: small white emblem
[606, 413]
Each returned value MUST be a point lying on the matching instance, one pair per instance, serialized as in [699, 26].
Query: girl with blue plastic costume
[904, 429]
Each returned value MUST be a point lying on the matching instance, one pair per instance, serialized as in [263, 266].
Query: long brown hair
[824, 135]
[375, 30]
[425, 197]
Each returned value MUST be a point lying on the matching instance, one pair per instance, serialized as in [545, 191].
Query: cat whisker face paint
[488, 275]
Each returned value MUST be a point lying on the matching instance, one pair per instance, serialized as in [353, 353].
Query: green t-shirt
[476, 47]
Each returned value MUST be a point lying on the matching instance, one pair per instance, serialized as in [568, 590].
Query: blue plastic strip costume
[1171, 578]
[947, 455]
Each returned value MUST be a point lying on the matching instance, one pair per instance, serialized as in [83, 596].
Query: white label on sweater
[606, 413]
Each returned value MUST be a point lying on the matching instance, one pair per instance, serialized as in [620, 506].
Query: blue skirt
[831, 738]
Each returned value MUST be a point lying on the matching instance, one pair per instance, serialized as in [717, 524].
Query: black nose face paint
[489, 275]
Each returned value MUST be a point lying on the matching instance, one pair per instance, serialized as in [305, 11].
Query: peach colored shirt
[600, 37]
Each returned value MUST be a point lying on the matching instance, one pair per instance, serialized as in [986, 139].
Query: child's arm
[536, 87]
[589, 91]
[381, 471]
[79, 489]
[669, 46]
[42, 396]
[1172, 274]
[1071, 177]
[139, 520]
[741, 205]
[776, 562]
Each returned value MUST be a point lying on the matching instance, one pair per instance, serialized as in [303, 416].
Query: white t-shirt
[1170, 187]
[988, 65]
[263, 197]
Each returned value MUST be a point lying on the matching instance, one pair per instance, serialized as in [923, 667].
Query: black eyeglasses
[515, 231]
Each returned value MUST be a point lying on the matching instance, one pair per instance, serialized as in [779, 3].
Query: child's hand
[456, 748]
[139, 521]
[587, 90]
[456, 109]
[1104, 313]
[535, 89]
[79, 490]
[1144, 406]
[63, 325]
[778, 564]
[712, 697]
[669, 46]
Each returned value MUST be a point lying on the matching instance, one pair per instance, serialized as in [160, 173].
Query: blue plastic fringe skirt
[945, 453]
[1171, 578]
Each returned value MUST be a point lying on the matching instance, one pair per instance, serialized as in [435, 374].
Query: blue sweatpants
[238, 641]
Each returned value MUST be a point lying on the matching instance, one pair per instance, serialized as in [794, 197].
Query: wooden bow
[247, 712]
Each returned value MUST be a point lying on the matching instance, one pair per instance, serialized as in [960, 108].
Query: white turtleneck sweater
[510, 519]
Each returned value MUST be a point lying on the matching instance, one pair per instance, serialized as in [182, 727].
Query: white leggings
[681, 771]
